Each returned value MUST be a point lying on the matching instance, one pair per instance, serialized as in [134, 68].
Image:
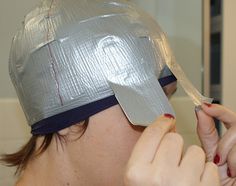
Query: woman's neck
[52, 167]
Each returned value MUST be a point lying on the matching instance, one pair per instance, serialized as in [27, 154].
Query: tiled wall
[14, 131]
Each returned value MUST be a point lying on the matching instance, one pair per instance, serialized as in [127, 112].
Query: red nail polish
[170, 116]
[208, 104]
[229, 173]
[217, 159]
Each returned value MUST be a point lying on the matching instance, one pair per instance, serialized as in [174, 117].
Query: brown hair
[27, 152]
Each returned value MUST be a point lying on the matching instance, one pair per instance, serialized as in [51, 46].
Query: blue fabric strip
[73, 116]
[167, 80]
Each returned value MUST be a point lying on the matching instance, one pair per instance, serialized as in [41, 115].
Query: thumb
[207, 133]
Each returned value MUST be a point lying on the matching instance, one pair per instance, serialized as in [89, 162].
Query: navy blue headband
[73, 116]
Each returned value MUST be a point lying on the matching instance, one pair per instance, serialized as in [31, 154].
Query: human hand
[157, 160]
[222, 151]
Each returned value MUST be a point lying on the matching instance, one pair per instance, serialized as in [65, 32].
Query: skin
[100, 157]
[162, 162]
[224, 147]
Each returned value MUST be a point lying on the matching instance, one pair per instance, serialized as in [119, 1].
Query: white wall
[229, 54]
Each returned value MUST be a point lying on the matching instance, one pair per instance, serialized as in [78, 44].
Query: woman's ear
[64, 132]
[73, 130]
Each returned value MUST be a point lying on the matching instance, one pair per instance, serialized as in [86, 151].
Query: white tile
[12, 120]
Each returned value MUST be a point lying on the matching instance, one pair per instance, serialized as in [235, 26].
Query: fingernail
[208, 104]
[216, 159]
[170, 116]
[197, 109]
[229, 173]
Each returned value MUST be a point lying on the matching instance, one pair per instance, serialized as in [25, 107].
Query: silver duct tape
[71, 53]
[141, 105]
[175, 68]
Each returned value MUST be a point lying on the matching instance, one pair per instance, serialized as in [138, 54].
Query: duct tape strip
[176, 69]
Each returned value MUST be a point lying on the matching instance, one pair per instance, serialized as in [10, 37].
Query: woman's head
[86, 85]
[69, 62]
[106, 138]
